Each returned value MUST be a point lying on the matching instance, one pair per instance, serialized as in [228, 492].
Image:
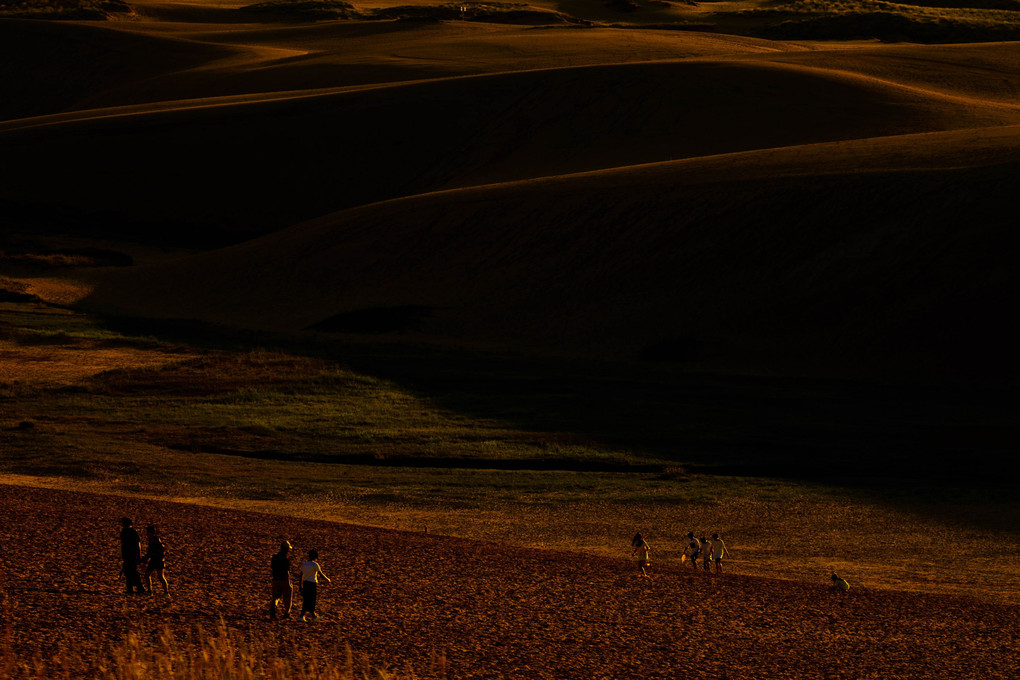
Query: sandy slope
[182, 157]
[887, 250]
[836, 255]
[268, 164]
[496, 611]
[51, 66]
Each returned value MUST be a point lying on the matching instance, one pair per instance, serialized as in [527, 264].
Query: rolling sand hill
[495, 611]
[840, 256]
[267, 162]
[720, 201]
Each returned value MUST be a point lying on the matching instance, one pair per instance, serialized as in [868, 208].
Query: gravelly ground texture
[497, 611]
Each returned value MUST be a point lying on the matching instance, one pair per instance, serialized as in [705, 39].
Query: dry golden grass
[224, 654]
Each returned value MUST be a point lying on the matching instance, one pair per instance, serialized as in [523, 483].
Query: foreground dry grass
[224, 654]
[496, 611]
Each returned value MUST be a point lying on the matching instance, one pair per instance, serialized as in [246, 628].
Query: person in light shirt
[643, 552]
[310, 573]
[719, 551]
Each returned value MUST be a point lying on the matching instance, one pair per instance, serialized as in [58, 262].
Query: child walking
[706, 551]
[718, 552]
[310, 573]
[692, 551]
[155, 560]
[642, 550]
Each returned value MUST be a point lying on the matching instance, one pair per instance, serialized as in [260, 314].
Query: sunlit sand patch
[59, 291]
[796, 540]
[62, 364]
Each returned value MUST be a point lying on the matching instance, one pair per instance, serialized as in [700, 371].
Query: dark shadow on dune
[254, 168]
[399, 319]
[833, 431]
[858, 325]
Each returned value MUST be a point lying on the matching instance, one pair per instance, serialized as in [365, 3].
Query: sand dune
[720, 201]
[51, 66]
[247, 167]
[876, 255]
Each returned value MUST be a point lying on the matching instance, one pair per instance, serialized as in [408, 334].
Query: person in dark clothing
[282, 590]
[155, 560]
[130, 552]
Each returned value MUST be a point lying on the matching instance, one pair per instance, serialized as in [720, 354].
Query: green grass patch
[926, 21]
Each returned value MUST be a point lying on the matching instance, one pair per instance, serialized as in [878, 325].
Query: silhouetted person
[692, 551]
[130, 552]
[282, 589]
[719, 551]
[155, 560]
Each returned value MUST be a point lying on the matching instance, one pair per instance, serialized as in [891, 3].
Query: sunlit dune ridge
[726, 203]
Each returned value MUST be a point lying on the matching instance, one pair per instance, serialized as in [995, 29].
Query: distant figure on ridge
[642, 550]
[130, 552]
[840, 583]
[310, 573]
[692, 551]
[282, 589]
[719, 551]
[155, 560]
[707, 552]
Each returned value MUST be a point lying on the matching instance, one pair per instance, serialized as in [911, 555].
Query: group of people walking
[154, 559]
[710, 552]
[282, 590]
[154, 562]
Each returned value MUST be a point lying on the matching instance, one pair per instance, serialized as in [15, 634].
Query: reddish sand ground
[496, 611]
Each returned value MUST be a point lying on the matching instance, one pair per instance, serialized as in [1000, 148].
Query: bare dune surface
[245, 167]
[738, 252]
[495, 611]
[86, 66]
[54, 66]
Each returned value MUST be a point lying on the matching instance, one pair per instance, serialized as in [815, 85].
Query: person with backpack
[155, 560]
[130, 552]
[282, 590]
